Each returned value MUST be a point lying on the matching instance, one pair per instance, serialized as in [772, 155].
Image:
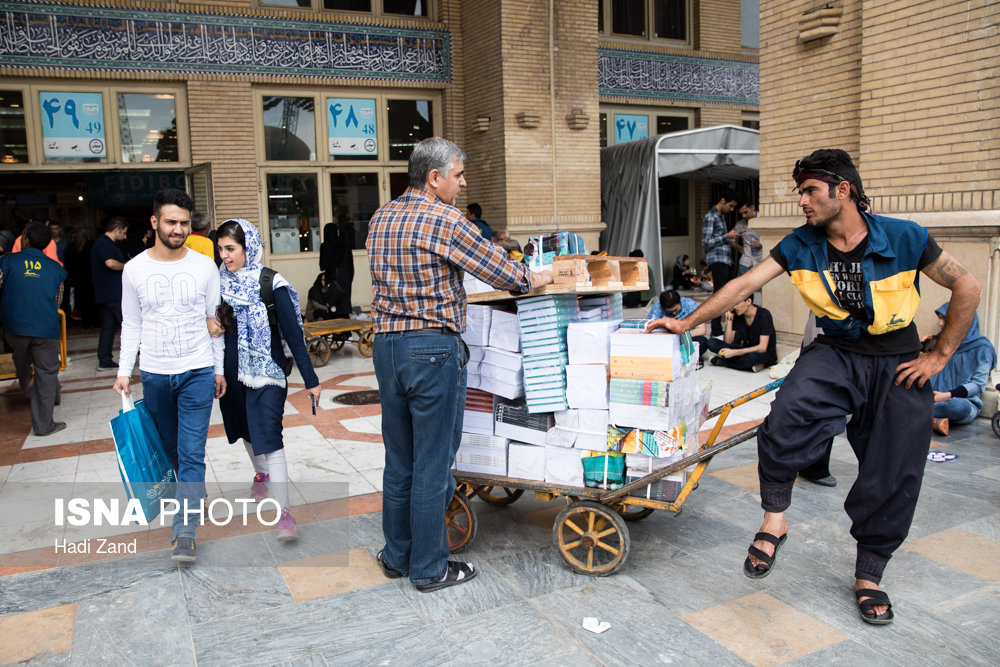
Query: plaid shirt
[418, 250]
[713, 238]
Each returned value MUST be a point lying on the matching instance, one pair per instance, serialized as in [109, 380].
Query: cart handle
[771, 386]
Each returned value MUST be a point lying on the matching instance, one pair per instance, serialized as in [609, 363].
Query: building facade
[295, 114]
[911, 90]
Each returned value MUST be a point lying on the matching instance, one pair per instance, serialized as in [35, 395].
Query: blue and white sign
[630, 128]
[72, 124]
[351, 123]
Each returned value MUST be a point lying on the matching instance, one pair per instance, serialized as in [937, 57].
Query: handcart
[590, 532]
[323, 336]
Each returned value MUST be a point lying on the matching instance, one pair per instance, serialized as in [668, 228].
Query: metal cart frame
[590, 532]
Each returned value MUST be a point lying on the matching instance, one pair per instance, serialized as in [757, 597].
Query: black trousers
[111, 321]
[41, 356]
[889, 431]
[720, 276]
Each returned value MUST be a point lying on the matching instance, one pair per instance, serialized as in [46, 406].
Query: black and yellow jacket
[889, 267]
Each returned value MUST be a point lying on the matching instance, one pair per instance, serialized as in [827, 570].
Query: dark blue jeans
[181, 406]
[421, 380]
[957, 410]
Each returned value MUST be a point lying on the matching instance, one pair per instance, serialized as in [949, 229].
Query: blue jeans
[181, 406]
[421, 381]
[957, 410]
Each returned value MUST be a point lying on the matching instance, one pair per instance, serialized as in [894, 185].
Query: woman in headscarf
[254, 402]
[685, 277]
[958, 388]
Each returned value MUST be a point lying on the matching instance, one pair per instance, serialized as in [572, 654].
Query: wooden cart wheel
[465, 489]
[338, 339]
[634, 512]
[461, 522]
[319, 351]
[498, 495]
[366, 342]
[592, 538]
[996, 424]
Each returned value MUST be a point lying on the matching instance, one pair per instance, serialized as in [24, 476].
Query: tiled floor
[680, 597]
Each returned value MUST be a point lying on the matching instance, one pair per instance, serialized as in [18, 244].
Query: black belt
[440, 330]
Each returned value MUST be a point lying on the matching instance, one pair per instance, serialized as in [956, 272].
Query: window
[645, 19]
[293, 212]
[666, 124]
[289, 128]
[751, 120]
[620, 124]
[410, 122]
[13, 132]
[750, 24]
[673, 200]
[147, 126]
[354, 198]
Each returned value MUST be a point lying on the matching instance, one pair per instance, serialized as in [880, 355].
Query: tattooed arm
[965, 290]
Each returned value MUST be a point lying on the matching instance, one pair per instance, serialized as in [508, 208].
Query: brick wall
[222, 133]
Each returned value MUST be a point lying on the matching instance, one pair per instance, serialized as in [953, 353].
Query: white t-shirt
[164, 306]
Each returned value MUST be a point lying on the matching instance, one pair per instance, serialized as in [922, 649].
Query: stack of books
[543, 321]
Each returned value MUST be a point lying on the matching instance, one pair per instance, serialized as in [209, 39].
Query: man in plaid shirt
[419, 247]
[715, 240]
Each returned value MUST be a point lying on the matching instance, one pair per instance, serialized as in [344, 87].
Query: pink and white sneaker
[259, 489]
[286, 527]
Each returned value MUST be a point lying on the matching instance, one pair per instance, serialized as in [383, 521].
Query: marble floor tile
[315, 540]
[764, 631]
[536, 572]
[76, 424]
[32, 635]
[325, 624]
[374, 478]
[54, 470]
[961, 550]
[314, 660]
[361, 425]
[993, 472]
[929, 517]
[917, 635]
[487, 591]
[743, 476]
[988, 526]
[429, 645]
[642, 631]
[331, 574]
[135, 624]
[362, 455]
[843, 654]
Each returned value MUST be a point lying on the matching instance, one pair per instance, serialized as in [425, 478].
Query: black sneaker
[107, 367]
[59, 426]
[184, 551]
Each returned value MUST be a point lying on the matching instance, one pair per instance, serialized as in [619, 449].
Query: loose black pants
[890, 432]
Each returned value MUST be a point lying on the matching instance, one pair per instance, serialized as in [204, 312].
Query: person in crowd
[256, 388]
[60, 240]
[318, 303]
[751, 249]
[7, 240]
[475, 216]
[419, 247]
[749, 341]
[848, 266]
[30, 291]
[705, 277]
[83, 310]
[715, 237]
[168, 292]
[198, 239]
[684, 276]
[503, 240]
[336, 260]
[106, 264]
[958, 387]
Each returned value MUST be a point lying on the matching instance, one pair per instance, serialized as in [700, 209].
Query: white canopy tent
[630, 174]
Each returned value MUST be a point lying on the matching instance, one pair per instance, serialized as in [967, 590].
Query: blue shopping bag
[142, 461]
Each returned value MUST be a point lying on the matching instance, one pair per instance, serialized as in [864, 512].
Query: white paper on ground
[595, 626]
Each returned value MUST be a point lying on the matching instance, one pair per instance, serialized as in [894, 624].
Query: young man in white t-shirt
[167, 293]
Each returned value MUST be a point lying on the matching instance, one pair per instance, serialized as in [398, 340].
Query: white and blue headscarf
[241, 290]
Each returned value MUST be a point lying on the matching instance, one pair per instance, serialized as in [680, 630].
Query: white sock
[278, 466]
[259, 462]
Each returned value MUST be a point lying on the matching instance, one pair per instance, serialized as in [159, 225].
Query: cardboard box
[526, 461]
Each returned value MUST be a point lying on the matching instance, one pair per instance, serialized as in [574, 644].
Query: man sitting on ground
[748, 343]
[672, 304]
